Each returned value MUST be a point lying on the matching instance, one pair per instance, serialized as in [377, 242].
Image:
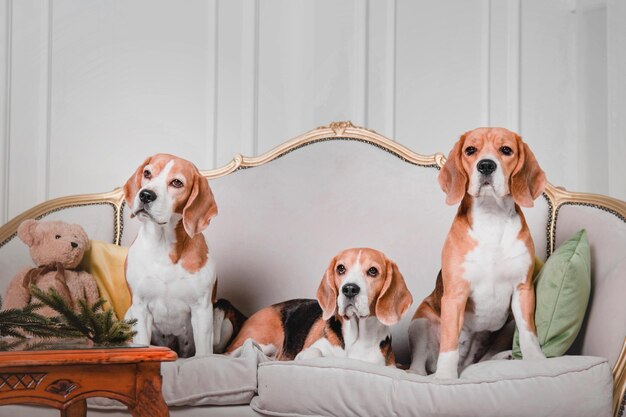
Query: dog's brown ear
[26, 231]
[452, 177]
[395, 298]
[528, 179]
[134, 183]
[200, 208]
[327, 292]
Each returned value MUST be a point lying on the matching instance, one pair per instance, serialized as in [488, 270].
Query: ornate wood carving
[129, 375]
[62, 387]
[20, 381]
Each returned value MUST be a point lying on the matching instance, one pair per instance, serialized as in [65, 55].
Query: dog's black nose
[486, 166]
[350, 290]
[74, 245]
[147, 196]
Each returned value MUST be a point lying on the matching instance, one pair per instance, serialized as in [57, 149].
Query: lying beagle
[361, 294]
[168, 269]
[487, 259]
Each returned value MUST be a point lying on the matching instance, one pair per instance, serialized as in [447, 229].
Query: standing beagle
[361, 294]
[487, 259]
[168, 269]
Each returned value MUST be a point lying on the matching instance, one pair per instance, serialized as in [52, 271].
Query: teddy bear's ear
[26, 231]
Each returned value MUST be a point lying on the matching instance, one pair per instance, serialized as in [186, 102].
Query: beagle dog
[487, 258]
[361, 294]
[169, 272]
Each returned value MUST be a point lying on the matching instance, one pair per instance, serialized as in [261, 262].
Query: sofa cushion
[564, 386]
[206, 380]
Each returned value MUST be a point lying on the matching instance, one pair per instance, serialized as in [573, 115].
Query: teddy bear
[57, 249]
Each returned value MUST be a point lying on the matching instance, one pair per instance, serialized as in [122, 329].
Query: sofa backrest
[285, 214]
[604, 327]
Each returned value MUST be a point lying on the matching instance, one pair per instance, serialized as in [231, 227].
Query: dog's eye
[506, 151]
[372, 272]
[341, 269]
[147, 174]
[176, 183]
[470, 150]
[57, 237]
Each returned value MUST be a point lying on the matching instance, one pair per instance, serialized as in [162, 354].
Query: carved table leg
[150, 401]
[78, 409]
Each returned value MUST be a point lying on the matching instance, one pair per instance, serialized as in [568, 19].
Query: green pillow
[562, 291]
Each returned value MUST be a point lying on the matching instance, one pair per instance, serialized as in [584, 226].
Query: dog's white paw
[533, 352]
[309, 353]
[418, 370]
[448, 365]
[529, 345]
[447, 374]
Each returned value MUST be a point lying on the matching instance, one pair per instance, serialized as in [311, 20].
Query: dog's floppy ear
[134, 183]
[26, 231]
[452, 177]
[200, 208]
[327, 292]
[528, 179]
[395, 298]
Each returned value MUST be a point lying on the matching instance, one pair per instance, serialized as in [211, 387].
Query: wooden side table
[64, 379]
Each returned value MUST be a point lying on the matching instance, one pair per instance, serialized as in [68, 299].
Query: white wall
[89, 88]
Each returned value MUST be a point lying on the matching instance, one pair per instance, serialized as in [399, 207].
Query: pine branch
[98, 305]
[55, 301]
[91, 321]
[19, 323]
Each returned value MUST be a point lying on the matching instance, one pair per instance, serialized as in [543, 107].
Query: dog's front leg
[202, 324]
[139, 311]
[452, 315]
[523, 306]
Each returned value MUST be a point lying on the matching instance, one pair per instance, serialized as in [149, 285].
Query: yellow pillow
[105, 261]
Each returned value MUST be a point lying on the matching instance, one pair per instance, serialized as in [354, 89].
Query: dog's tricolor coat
[168, 269]
[361, 294]
[487, 259]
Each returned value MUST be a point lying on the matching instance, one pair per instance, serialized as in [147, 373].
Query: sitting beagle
[361, 294]
[168, 269]
[487, 259]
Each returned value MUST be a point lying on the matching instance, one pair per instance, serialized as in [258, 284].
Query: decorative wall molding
[485, 99]
[5, 116]
[587, 5]
[616, 68]
[250, 76]
[514, 64]
[47, 73]
[361, 58]
[390, 114]
[212, 83]
[231, 119]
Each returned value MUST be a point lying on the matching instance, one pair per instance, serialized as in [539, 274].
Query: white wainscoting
[89, 88]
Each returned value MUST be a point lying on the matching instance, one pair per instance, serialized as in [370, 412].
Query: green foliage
[20, 323]
[90, 321]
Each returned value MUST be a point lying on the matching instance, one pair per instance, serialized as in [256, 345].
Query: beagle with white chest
[487, 258]
[169, 272]
[361, 294]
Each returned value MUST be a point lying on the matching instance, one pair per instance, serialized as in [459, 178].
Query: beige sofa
[284, 214]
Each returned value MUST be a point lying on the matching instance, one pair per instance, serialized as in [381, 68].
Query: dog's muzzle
[486, 166]
[350, 290]
[147, 196]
